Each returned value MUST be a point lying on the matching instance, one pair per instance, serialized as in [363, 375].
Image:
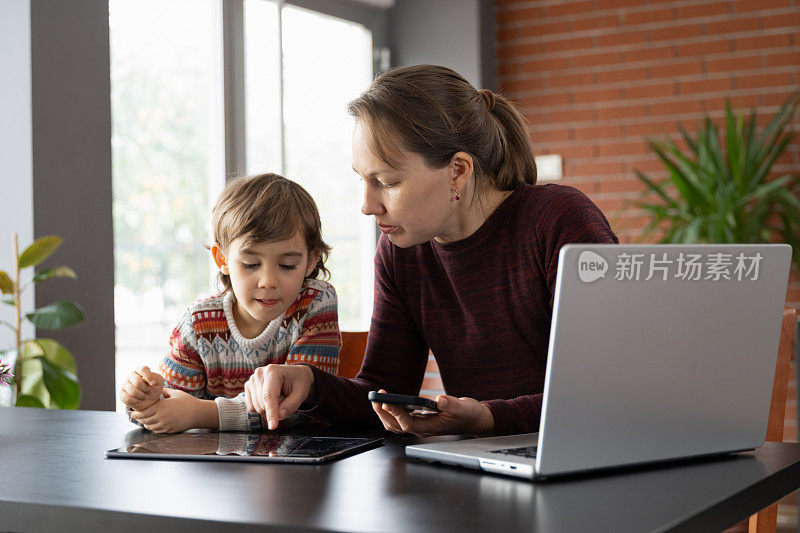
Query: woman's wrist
[485, 424]
[311, 386]
[311, 396]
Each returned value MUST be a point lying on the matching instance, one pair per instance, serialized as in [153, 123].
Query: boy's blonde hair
[267, 208]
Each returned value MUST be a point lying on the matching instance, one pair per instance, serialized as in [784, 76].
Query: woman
[466, 265]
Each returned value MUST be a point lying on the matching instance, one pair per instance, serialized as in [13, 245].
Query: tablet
[259, 447]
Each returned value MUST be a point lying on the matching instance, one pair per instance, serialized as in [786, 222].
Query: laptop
[656, 353]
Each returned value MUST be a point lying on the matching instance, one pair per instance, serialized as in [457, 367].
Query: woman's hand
[276, 391]
[456, 416]
[177, 412]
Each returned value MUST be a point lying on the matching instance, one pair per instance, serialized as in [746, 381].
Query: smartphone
[412, 403]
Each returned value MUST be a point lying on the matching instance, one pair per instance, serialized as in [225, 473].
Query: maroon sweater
[483, 305]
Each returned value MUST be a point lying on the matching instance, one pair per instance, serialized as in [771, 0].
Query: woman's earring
[458, 197]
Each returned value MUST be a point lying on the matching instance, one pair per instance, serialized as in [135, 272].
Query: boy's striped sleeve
[182, 367]
[320, 340]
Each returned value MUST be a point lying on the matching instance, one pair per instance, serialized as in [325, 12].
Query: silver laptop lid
[659, 352]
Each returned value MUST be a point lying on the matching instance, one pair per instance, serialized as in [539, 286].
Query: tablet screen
[245, 447]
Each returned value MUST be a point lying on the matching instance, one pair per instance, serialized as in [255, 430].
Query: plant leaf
[717, 159]
[63, 386]
[38, 390]
[40, 250]
[681, 174]
[765, 189]
[655, 188]
[6, 285]
[751, 149]
[57, 272]
[734, 140]
[32, 380]
[26, 400]
[7, 300]
[790, 201]
[689, 141]
[764, 164]
[30, 349]
[779, 122]
[693, 230]
[59, 315]
[59, 356]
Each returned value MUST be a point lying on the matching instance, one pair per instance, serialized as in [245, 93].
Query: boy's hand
[142, 389]
[177, 412]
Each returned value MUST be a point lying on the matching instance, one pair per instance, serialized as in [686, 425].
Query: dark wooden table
[55, 477]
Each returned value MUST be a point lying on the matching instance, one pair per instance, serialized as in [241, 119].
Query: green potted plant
[725, 192]
[44, 373]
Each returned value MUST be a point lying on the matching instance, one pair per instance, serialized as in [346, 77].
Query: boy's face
[266, 278]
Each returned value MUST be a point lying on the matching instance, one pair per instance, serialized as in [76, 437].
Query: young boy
[273, 310]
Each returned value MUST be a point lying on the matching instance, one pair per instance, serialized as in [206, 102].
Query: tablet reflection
[185, 443]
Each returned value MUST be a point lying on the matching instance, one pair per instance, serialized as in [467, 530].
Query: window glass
[262, 87]
[167, 156]
[320, 76]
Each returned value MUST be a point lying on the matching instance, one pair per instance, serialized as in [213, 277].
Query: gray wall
[71, 117]
[454, 33]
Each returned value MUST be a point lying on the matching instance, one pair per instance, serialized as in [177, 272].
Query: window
[262, 66]
[168, 149]
[307, 138]
[317, 86]
[167, 157]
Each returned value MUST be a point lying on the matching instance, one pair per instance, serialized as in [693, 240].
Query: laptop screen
[660, 351]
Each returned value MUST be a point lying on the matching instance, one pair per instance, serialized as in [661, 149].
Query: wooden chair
[765, 521]
[354, 344]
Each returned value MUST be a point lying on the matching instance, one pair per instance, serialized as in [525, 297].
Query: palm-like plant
[725, 194]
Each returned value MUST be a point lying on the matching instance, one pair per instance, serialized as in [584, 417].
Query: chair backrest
[354, 344]
[777, 410]
[351, 356]
[765, 521]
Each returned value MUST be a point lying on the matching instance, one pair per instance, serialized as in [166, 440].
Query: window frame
[373, 18]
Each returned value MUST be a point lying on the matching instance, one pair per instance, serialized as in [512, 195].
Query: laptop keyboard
[527, 451]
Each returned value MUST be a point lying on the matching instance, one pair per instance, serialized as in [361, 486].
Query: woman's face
[412, 204]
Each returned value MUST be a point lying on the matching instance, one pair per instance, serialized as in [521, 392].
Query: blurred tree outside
[163, 106]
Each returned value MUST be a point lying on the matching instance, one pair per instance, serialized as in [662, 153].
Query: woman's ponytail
[517, 166]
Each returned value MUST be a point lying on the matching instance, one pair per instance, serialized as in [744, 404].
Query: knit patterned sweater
[210, 359]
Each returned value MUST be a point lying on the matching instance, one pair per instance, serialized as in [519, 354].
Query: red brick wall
[594, 77]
